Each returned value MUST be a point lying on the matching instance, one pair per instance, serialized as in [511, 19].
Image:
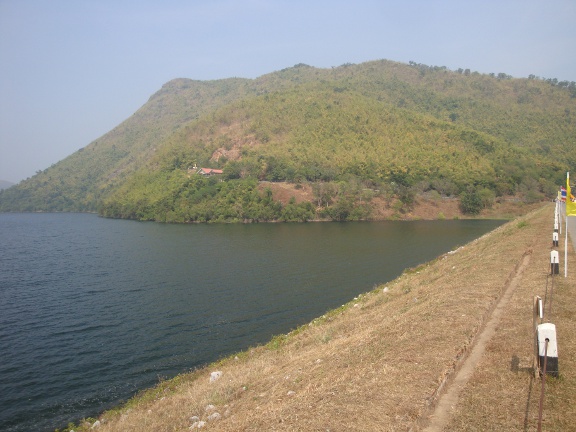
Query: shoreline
[426, 210]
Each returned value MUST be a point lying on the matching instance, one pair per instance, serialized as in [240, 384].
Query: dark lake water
[93, 310]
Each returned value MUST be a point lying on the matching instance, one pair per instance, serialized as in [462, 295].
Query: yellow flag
[570, 205]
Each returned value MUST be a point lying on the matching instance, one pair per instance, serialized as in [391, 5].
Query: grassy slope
[377, 362]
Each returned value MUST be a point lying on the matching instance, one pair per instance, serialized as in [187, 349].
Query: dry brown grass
[377, 363]
[503, 394]
[424, 208]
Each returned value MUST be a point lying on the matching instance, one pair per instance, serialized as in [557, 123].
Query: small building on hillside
[208, 171]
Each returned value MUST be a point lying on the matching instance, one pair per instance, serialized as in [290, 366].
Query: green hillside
[83, 179]
[353, 132]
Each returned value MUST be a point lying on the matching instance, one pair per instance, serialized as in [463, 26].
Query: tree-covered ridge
[379, 125]
[324, 134]
[81, 181]
[317, 135]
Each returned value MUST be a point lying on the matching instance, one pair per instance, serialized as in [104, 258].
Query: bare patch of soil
[283, 192]
[423, 209]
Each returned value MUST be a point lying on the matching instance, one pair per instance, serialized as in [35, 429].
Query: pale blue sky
[71, 70]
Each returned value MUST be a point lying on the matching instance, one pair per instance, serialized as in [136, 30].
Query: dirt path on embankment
[444, 408]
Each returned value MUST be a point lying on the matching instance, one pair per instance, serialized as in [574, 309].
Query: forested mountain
[351, 133]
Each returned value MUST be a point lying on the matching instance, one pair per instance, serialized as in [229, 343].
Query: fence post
[537, 312]
[554, 262]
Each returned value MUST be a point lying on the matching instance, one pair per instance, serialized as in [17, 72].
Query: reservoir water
[93, 310]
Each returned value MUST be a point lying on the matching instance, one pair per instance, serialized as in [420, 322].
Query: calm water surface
[93, 310]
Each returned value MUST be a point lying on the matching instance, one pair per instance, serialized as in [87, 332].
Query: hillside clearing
[424, 208]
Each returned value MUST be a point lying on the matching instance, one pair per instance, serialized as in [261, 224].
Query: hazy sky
[71, 70]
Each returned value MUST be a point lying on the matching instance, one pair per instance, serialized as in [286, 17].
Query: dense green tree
[487, 197]
[470, 201]
[407, 196]
[324, 193]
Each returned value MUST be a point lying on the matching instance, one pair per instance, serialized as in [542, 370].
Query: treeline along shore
[383, 361]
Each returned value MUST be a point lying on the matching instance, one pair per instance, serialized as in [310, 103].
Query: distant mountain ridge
[379, 125]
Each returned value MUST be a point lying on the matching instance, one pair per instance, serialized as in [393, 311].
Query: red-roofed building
[209, 171]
